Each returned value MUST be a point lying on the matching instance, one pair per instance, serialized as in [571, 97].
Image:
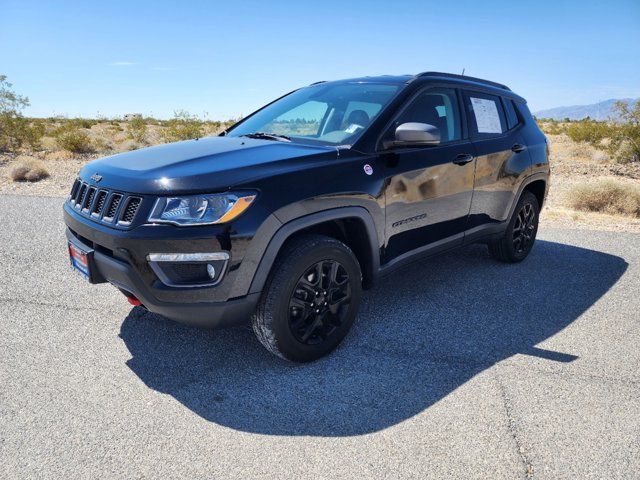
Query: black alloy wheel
[310, 300]
[524, 228]
[520, 233]
[319, 302]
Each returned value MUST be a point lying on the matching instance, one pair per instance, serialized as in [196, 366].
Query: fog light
[211, 271]
[189, 269]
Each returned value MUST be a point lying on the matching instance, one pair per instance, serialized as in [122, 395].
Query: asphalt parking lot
[457, 367]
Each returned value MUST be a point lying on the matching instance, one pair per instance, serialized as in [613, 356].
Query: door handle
[463, 159]
[517, 148]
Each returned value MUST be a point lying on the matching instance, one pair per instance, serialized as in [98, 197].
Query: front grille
[100, 201]
[86, 206]
[82, 192]
[104, 205]
[74, 189]
[130, 210]
[114, 203]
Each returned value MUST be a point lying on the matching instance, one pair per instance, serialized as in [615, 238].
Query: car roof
[426, 77]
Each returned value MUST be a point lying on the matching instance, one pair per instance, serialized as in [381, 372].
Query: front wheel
[521, 231]
[310, 300]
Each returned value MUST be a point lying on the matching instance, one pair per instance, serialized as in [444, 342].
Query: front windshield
[326, 113]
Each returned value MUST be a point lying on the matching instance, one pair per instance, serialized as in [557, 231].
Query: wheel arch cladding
[351, 225]
[538, 188]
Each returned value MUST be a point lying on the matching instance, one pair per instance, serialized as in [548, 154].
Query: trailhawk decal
[407, 220]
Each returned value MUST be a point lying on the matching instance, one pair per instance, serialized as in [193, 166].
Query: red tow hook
[134, 301]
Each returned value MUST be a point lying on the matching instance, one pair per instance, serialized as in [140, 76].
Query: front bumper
[119, 257]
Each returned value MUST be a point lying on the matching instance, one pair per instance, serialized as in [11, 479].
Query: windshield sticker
[368, 169]
[352, 128]
[486, 113]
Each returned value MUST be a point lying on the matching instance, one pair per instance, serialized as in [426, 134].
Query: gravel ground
[457, 367]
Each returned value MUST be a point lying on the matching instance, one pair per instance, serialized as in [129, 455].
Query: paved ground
[457, 367]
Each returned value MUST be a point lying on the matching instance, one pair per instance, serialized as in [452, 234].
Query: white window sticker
[487, 118]
[352, 128]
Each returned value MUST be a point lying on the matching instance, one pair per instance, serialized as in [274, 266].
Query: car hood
[206, 164]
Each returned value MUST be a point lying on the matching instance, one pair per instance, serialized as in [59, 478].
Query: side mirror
[415, 134]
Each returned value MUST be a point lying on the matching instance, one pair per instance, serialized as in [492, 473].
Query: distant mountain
[596, 111]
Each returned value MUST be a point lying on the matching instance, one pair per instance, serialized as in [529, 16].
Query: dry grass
[28, 169]
[615, 197]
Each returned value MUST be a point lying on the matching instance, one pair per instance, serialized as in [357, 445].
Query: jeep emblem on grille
[96, 178]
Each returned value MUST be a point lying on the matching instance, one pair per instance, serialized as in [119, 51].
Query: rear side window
[510, 110]
[485, 115]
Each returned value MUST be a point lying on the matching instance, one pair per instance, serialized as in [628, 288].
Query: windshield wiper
[267, 136]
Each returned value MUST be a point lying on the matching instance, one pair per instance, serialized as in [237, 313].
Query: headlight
[200, 209]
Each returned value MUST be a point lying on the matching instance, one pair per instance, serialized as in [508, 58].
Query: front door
[429, 189]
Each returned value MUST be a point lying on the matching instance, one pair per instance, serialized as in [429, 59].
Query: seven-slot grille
[104, 204]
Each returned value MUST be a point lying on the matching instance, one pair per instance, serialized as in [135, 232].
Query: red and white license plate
[79, 260]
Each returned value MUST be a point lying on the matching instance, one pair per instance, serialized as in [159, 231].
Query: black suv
[289, 214]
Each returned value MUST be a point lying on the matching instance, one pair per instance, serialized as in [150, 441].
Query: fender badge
[96, 178]
[368, 169]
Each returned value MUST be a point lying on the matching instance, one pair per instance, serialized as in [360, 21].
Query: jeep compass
[287, 216]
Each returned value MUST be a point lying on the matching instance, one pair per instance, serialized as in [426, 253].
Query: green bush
[74, 140]
[589, 131]
[137, 129]
[183, 126]
[82, 122]
[625, 142]
[15, 130]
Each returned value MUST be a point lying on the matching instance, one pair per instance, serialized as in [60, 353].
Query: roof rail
[316, 83]
[463, 77]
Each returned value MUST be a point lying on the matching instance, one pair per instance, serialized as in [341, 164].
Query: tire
[521, 231]
[310, 299]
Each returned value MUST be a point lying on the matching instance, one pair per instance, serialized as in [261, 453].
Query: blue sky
[224, 59]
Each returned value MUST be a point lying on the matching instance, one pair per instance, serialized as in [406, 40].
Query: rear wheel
[521, 231]
[310, 300]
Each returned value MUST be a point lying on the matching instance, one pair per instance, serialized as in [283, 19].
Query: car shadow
[421, 333]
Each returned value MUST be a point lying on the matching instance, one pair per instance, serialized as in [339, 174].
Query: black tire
[292, 320]
[521, 231]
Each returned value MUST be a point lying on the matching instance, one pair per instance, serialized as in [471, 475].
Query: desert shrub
[183, 126]
[15, 130]
[606, 196]
[19, 173]
[28, 169]
[137, 129]
[73, 140]
[550, 126]
[625, 142]
[36, 174]
[101, 144]
[589, 131]
[129, 145]
[82, 122]
[151, 121]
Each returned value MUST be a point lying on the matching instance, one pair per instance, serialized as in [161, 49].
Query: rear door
[429, 189]
[501, 158]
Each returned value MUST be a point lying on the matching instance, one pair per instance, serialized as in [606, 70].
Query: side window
[486, 117]
[510, 110]
[435, 106]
